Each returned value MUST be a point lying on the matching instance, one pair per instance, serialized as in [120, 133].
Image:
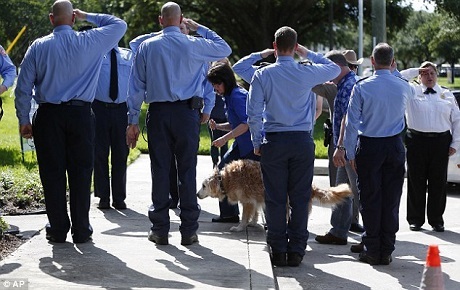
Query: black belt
[75, 103]
[110, 105]
[286, 133]
[429, 134]
[367, 137]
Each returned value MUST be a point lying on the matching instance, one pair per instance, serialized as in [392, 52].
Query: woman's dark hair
[222, 73]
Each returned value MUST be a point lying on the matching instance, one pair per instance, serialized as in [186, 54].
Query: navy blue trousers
[64, 142]
[173, 129]
[380, 168]
[287, 166]
[111, 123]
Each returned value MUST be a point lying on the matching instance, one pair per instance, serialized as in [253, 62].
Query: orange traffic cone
[432, 275]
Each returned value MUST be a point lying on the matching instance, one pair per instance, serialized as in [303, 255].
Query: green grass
[442, 81]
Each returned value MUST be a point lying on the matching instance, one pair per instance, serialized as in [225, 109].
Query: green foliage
[452, 7]
[14, 15]
[445, 41]
[318, 137]
[412, 42]
[3, 226]
[20, 187]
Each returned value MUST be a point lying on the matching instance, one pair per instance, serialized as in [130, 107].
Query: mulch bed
[8, 244]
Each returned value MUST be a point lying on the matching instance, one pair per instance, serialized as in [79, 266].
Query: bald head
[171, 14]
[62, 13]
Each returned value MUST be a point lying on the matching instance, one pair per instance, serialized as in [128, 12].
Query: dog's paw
[238, 228]
[253, 224]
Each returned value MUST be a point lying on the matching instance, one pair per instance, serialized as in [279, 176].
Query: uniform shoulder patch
[264, 64]
[362, 79]
[305, 62]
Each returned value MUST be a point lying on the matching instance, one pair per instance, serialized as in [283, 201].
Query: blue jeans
[342, 214]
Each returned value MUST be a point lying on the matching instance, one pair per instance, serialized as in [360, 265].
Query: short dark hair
[337, 57]
[285, 38]
[222, 73]
[383, 54]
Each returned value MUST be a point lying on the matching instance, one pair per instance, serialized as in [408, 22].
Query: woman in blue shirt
[223, 80]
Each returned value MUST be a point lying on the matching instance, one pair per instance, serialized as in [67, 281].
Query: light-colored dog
[241, 181]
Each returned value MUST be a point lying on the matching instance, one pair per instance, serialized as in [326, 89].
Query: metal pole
[21, 32]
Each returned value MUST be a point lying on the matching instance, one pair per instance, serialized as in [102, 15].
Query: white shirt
[437, 112]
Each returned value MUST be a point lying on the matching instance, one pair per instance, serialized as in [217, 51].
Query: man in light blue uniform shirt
[8, 73]
[63, 68]
[373, 144]
[281, 92]
[168, 73]
[209, 101]
[111, 122]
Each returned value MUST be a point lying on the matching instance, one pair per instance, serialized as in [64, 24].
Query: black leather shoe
[279, 259]
[357, 228]
[119, 204]
[364, 257]
[386, 260]
[294, 259]
[104, 204]
[55, 239]
[330, 239]
[438, 228]
[231, 219]
[415, 227]
[82, 240]
[187, 241]
[157, 239]
[358, 248]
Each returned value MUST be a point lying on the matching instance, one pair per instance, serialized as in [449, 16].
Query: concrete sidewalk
[121, 257]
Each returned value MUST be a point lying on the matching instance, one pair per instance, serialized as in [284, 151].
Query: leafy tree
[445, 43]
[452, 7]
[249, 25]
[412, 42]
[14, 15]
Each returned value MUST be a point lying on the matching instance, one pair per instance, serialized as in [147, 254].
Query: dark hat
[350, 56]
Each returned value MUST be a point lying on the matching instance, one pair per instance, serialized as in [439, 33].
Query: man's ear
[160, 20]
[51, 16]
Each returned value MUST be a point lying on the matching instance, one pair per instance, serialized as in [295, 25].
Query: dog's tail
[333, 195]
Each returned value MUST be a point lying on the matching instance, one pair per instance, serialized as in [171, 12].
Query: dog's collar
[221, 184]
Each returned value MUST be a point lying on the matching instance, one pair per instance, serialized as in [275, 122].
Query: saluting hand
[192, 25]
[267, 52]
[301, 51]
[132, 134]
[80, 15]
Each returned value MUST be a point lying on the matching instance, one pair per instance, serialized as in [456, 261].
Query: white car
[453, 169]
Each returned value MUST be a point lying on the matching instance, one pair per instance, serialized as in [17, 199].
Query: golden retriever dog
[241, 181]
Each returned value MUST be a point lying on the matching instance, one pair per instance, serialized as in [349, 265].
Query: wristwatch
[341, 148]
